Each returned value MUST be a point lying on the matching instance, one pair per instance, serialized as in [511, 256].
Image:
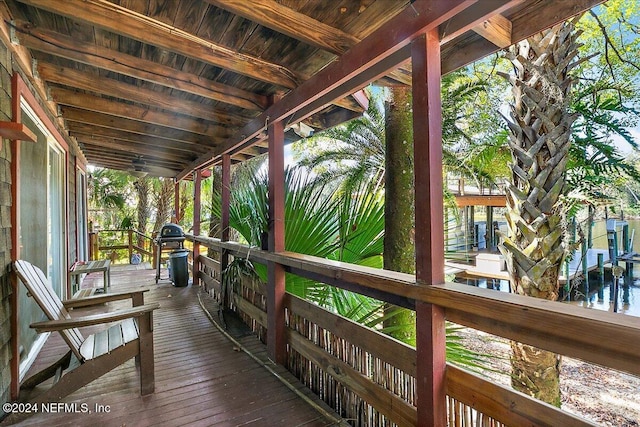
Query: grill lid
[171, 230]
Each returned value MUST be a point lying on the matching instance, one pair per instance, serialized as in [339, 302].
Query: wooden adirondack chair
[96, 355]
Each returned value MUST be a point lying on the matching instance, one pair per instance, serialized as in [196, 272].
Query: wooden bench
[86, 267]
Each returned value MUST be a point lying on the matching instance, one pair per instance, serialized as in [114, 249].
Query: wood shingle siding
[5, 227]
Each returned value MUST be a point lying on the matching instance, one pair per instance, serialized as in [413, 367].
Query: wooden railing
[369, 378]
[459, 186]
[113, 244]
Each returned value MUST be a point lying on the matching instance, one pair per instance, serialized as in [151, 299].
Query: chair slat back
[42, 292]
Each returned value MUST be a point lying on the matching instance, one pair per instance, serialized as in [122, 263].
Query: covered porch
[202, 376]
[367, 378]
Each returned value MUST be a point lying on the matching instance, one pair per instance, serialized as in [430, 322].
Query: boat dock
[493, 266]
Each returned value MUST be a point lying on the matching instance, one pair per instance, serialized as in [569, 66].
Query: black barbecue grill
[171, 237]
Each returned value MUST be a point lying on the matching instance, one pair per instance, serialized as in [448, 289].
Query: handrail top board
[424, 293]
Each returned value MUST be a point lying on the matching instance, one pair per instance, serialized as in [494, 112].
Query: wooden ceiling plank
[99, 104]
[390, 38]
[57, 44]
[94, 83]
[367, 22]
[119, 20]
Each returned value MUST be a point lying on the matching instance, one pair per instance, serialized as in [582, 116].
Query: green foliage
[108, 193]
[348, 153]
[339, 226]
[108, 188]
[595, 160]
[127, 223]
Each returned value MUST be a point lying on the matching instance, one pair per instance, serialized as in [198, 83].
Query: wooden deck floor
[202, 378]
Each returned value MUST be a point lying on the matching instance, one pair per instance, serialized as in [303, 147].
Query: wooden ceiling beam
[99, 104]
[128, 23]
[273, 15]
[497, 30]
[72, 114]
[343, 76]
[136, 138]
[101, 159]
[57, 44]
[296, 25]
[124, 158]
[94, 83]
[136, 149]
[474, 18]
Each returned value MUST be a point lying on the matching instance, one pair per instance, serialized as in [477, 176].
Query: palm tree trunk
[399, 252]
[163, 203]
[143, 188]
[540, 131]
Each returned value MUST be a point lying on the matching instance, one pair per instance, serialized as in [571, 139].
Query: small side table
[90, 267]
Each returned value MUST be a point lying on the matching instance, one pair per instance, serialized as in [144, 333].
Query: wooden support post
[197, 203]
[601, 268]
[176, 202]
[226, 197]
[465, 218]
[430, 319]
[130, 244]
[590, 230]
[491, 233]
[472, 227]
[224, 217]
[585, 268]
[276, 275]
[567, 283]
[625, 238]
[155, 254]
[14, 388]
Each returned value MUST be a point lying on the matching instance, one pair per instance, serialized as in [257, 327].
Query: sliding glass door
[56, 235]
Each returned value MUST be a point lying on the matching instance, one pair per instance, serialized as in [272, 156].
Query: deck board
[202, 378]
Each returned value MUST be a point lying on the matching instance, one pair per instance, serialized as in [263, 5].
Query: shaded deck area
[202, 377]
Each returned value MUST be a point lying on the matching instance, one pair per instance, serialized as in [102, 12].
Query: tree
[163, 195]
[540, 137]
[399, 235]
[108, 191]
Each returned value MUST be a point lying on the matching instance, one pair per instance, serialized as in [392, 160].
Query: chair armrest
[102, 298]
[94, 319]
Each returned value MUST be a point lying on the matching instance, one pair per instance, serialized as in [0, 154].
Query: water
[600, 295]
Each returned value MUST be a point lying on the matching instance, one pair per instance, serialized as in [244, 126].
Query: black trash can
[179, 267]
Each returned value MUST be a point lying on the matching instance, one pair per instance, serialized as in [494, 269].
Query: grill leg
[158, 263]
